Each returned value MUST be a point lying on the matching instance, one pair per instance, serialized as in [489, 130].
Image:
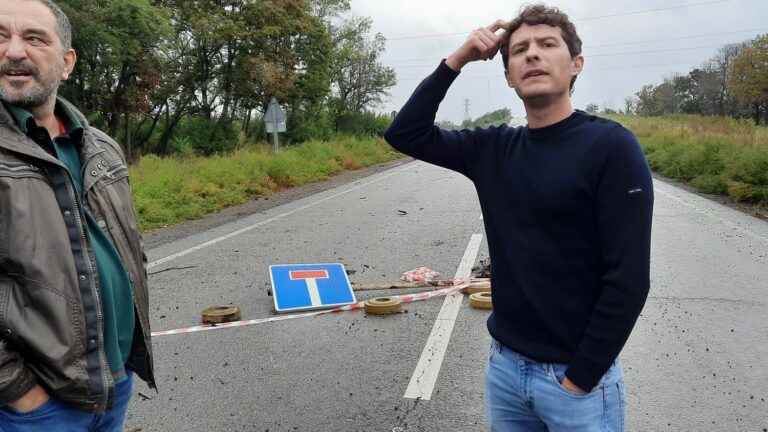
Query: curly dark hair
[542, 14]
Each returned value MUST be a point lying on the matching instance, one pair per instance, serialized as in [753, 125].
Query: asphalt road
[697, 360]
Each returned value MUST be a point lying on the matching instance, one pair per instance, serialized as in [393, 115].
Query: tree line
[167, 76]
[732, 83]
[493, 118]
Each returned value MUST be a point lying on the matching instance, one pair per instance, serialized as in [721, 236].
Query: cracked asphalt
[696, 360]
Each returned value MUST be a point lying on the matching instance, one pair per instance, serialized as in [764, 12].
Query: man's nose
[532, 53]
[16, 49]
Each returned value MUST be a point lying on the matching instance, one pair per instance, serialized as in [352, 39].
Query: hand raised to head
[482, 44]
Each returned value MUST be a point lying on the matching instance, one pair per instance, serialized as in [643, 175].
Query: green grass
[174, 189]
[715, 155]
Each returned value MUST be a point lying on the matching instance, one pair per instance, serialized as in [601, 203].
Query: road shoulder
[162, 236]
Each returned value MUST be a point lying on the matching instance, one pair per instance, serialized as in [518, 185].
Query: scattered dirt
[483, 270]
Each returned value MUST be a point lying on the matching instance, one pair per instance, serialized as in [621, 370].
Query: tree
[241, 53]
[630, 105]
[359, 79]
[149, 69]
[447, 125]
[720, 67]
[748, 79]
[118, 66]
[703, 90]
[494, 118]
[326, 10]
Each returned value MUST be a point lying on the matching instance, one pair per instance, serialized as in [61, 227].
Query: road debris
[383, 306]
[478, 286]
[483, 270]
[481, 300]
[420, 274]
[221, 314]
[171, 268]
[408, 298]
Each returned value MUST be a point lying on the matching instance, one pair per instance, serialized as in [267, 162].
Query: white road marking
[266, 221]
[708, 214]
[425, 375]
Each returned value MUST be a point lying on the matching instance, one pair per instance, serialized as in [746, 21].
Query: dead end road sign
[297, 287]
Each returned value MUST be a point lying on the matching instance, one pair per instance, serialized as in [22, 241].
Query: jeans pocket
[557, 375]
[494, 348]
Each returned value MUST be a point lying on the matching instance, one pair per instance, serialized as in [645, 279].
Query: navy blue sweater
[567, 211]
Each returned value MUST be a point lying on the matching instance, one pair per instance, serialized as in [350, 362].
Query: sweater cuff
[444, 72]
[585, 373]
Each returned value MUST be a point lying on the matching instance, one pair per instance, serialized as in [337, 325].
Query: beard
[39, 92]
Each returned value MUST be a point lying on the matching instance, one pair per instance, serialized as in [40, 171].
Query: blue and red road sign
[298, 287]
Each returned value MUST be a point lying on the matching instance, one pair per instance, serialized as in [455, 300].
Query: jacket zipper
[99, 317]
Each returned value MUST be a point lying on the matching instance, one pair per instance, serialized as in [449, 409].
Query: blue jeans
[522, 394]
[56, 416]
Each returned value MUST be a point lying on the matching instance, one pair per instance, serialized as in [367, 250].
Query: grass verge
[716, 155]
[174, 189]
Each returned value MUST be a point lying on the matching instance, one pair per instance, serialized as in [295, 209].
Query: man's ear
[506, 75]
[577, 65]
[70, 58]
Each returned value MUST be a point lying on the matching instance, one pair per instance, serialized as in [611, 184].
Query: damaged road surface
[696, 360]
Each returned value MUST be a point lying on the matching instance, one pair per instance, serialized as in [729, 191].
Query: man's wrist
[454, 63]
[570, 385]
[31, 400]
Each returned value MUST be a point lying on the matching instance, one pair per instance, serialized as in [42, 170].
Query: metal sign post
[275, 142]
[274, 120]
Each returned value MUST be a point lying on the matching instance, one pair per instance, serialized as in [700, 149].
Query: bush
[173, 189]
[364, 123]
[207, 137]
[714, 154]
[310, 123]
[711, 184]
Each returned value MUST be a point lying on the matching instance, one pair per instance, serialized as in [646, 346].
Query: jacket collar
[13, 138]
[64, 111]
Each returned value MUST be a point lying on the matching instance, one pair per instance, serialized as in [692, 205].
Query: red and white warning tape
[406, 298]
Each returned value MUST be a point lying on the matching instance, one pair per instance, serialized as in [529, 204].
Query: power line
[634, 42]
[689, 5]
[587, 56]
[500, 75]
[654, 51]
[680, 38]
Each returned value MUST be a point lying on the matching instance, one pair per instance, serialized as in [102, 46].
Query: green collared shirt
[116, 291]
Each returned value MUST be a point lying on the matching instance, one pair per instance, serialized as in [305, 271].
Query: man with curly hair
[567, 203]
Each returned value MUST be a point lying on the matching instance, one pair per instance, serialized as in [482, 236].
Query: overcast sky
[626, 44]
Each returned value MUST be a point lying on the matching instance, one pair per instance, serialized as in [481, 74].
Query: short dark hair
[542, 14]
[63, 27]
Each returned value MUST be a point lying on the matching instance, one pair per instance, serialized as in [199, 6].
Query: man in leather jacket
[74, 314]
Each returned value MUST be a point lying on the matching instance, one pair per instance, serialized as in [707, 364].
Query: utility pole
[466, 110]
